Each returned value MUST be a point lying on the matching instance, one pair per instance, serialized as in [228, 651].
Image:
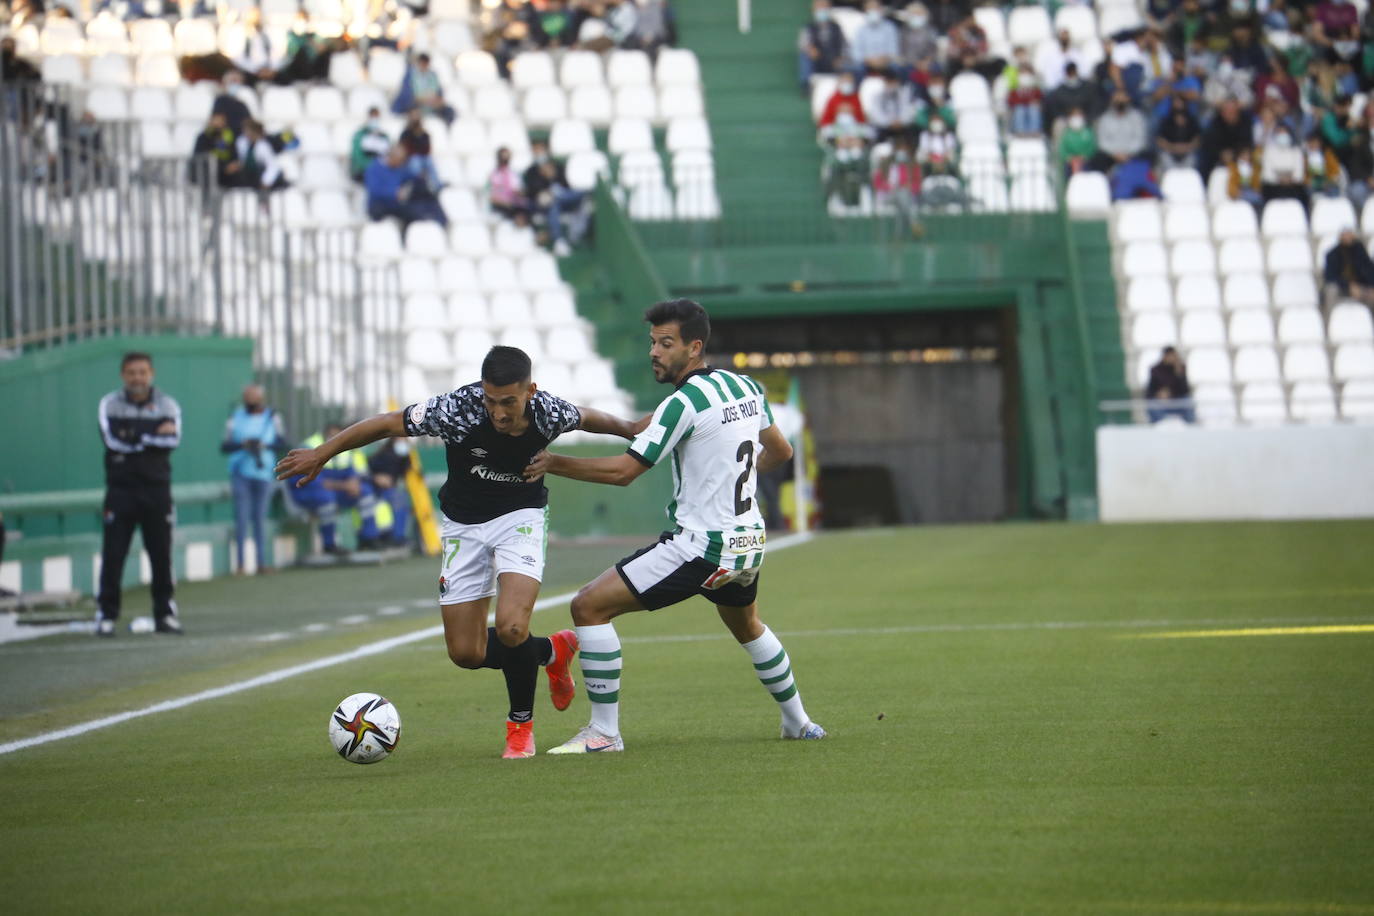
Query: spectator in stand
[252, 435]
[1335, 28]
[1179, 83]
[1246, 53]
[546, 188]
[13, 68]
[394, 190]
[946, 14]
[420, 89]
[969, 50]
[876, 43]
[261, 170]
[655, 26]
[846, 94]
[257, 59]
[938, 105]
[1122, 134]
[1322, 168]
[556, 22]
[307, 54]
[821, 47]
[918, 42]
[1282, 169]
[1348, 272]
[1169, 382]
[1337, 127]
[1023, 103]
[1281, 82]
[1077, 144]
[1230, 131]
[1226, 82]
[415, 140]
[503, 190]
[1161, 13]
[1178, 137]
[938, 156]
[846, 143]
[1073, 92]
[1053, 60]
[215, 150]
[1243, 178]
[1189, 24]
[229, 104]
[1360, 165]
[1155, 60]
[516, 27]
[897, 180]
[387, 468]
[369, 142]
[895, 108]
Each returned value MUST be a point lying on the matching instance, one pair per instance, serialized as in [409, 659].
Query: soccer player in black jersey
[494, 520]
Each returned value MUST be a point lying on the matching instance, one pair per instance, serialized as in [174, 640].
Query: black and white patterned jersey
[136, 454]
[485, 467]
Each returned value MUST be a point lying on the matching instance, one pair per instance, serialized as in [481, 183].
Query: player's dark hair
[689, 316]
[135, 356]
[506, 366]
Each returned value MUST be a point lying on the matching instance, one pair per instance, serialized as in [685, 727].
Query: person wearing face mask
[1074, 92]
[1077, 144]
[876, 44]
[846, 95]
[821, 46]
[845, 169]
[503, 190]
[938, 156]
[1053, 59]
[1243, 178]
[1323, 170]
[1283, 168]
[937, 107]
[1023, 105]
[369, 142]
[1178, 137]
[1122, 134]
[1230, 131]
[894, 109]
[1336, 28]
[252, 436]
[919, 41]
[1348, 272]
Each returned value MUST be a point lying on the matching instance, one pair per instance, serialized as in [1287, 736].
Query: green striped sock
[774, 671]
[599, 655]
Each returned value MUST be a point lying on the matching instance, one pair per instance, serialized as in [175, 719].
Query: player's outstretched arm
[777, 451]
[308, 462]
[598, 421]
[616, 470]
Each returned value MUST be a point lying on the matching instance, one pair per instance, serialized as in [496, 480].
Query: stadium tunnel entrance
[913, 416]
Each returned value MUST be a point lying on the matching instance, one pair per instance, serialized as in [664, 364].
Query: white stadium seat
[108, 103]
[192, 102]
[1313, 400]
[1183, 186]
[1283, 217]
[580, 68]
[417, 275]
[427, 350]
[1349, 322]
[696, 201]
[1256, 364]
[553, 307]
[151, 36]
[1202, 329]
[496, 273]
[452, 38]
[676, 66]
[532, 68]
[543, 105]
[110, 70]
[468, 309]
[476, 68]
[1250, 326]
[425, 312]
[688, 133]
[1193, 257]
[512, 240]
[456, 274]
[324, 103]
[539, 272]
[1234, 220]
[680, 101]
[380, 241]
[1357, 400]
[583, 167]
[147, 104]
[1263, 402]
[651, 202]
[471, 346]
[1241, 256]
[1294, 289]
[63, 70]
[1209, 364]
[1028, 26]
[157, 70]
[1301, 326]
[493, 102]
[969, 91]
[569, 136]
[1143, 259]
[1289, 253]
[510, 309]
[281, 105]
[1332, 214]
[628, 135]
[426, 240]
[1186, 221]
[1149, 294]
[628, 68]
[1153, 330]
[636, 102]
[640, 167]
[1088, 193]
[469, 135]
[1306, 363]
[194, 37]
[346, 72]
[593, 104]
[1246, 291]
[1354, 361]
[1079, 21]
[470, 239]
[1197, 292]
[1215, 404]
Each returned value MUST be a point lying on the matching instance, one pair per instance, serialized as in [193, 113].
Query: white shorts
[472, 556]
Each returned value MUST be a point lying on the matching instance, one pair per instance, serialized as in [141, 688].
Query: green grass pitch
[1003, 741]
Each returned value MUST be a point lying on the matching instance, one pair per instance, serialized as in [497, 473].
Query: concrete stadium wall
[1187, 473]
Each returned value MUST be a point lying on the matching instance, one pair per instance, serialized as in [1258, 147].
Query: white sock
[775, 673]
[599, 654]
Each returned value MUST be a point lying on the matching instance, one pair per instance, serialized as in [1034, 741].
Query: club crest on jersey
[417, 414]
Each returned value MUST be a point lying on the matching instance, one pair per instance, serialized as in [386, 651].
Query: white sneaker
[809, 732]
[589, 741]
[104, 626]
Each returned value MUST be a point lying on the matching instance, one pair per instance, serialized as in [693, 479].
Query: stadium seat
[1357, 400]
[676, 66]
[427, 350]
[1367, 216]
[1115, 18]
[554, 307]
[688, 133]
[1256, 364]
[628, 135]
[1031, 192]
[281, 105]
[157, 70]
[1028, 26]
[192, 102]
[1306, 363]
[63, 70]
[322, 173]
[1282, 218]
[417, 275]
[979, 126]
[1234, 220]
[638, 102]
[380, 241]
[696, 200]
[513, 241]
[1186, 221]
[510, 308]
[580, 68]
[822, 88]
[1193, 257]
[291, 208]
[1143, 259]
[496, 274]
[988, 191]
[452, 38]
[1153, 330]
[1079, 21]
[680, 101]
[155, 140]
[108, 103]
[456, 274]
[640, 167]
[151, 36]
[651, 202]
[1349, 322]
[459, 204]
[1263, 402]
[628, 68]
[543, 105]
[470, 239]
[583, 167]
[476, 69]
[1354, 361]
[693, 166]
[1250, 326]
[1218, 188]
[525, 338]
[532, 68]
[493, 102]
[1295, 289]
[1202, 329]
[469, 136]
[324, 103]
[510, 133]
[1246, 291]
[1290, 253]
[195, 37]
[1301, 325]
[538, 272]
[426, 240]
[1215, 404]
[969, 91]
[109, 70]
[1183, 186]
[555, 378]
[569, 343]
[425, 312]
[1149, 294]
[146, 104]
[1136, 221]
[346, 73]
[1332, 214]
[592, 104]
[1088, 194]
[1313, 400]
[570, 136]
[105, 34]
[594, 378]
[1197, 292]
[331, 208]
[468, 310]
[1241, 256]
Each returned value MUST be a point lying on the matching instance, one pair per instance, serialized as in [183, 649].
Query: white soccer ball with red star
[365, 728]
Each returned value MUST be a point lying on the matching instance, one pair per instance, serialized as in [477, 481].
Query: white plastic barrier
[1188, 473]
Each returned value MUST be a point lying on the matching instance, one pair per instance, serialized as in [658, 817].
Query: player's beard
[666, 373]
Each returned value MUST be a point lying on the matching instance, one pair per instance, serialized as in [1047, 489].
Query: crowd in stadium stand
[398, 174]
[1261, 88]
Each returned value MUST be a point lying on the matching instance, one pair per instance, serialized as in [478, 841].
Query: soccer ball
[365, 728]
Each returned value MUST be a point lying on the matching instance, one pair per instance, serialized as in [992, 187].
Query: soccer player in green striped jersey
[719, 432]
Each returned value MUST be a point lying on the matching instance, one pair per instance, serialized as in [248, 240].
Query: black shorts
[668, 572]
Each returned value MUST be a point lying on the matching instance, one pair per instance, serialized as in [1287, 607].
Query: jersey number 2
[745, 454]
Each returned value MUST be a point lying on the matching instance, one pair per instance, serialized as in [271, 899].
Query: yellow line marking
[1260, 631]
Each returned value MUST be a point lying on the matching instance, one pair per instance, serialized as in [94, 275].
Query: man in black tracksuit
[140, 426]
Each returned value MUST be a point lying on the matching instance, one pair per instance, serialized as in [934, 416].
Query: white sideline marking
[281, 674]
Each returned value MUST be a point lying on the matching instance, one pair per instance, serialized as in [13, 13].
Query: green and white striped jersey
[711, 426]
